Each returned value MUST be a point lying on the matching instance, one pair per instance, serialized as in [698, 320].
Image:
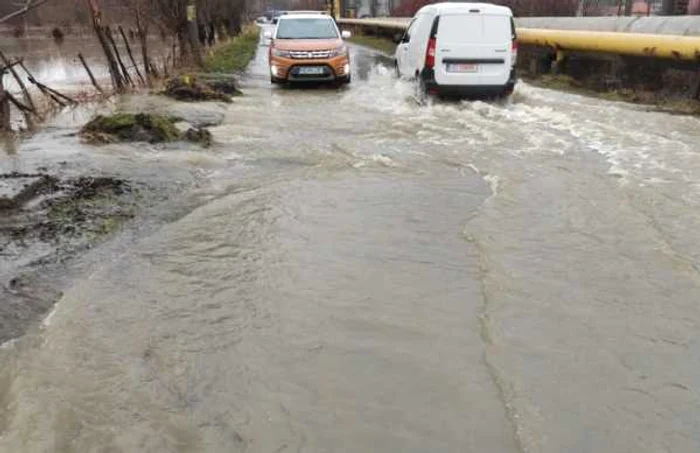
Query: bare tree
[142, 11]
[5, 97]
[28, 6]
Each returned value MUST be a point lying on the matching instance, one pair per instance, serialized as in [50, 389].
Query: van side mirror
[346, 34]
[397, 38]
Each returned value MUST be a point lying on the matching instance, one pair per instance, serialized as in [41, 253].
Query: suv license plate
[462, 67]
[312, 70]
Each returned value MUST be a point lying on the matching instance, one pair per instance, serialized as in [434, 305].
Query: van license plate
[462, 67]
[312, 70]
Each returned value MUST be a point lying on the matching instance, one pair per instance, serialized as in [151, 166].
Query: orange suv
[308, 48]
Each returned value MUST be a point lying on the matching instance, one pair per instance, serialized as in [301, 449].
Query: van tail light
[430, 53]
[514, 52]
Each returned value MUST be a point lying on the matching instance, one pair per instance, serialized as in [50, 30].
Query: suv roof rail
[308, 12]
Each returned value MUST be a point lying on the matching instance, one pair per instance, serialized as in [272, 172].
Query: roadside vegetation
[382, 44]
[653, 99]
[235, 55]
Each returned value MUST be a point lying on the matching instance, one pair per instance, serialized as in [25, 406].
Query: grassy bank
[654, 100]
[382, 44]
[235, 55]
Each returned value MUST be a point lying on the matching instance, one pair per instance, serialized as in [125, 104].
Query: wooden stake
[50, 92]
[127, 77]
[117, 79]
[26, 110]
[5, 125]
[19, 81]
[92, 77]
[14, 63]
[131, 55]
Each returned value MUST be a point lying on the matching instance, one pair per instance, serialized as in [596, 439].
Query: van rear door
[473, 49]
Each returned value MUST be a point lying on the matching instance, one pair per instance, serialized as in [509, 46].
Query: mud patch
[42, 232]
[192, 89]
[17, 188]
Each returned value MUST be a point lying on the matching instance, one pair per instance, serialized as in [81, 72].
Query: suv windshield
[321, 28]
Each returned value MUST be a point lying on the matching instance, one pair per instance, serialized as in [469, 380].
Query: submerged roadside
[591, 76]
[64, 191]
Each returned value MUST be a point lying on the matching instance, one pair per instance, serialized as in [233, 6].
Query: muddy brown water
[364, 274]
[56, 64]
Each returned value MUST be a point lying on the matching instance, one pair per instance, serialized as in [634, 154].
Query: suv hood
[307, 44]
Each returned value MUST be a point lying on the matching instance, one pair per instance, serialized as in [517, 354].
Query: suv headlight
[340, 51]
[280, 53]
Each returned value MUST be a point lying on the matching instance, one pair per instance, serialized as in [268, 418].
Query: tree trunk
[667, 7]
[114, 71]
[193, 34]
[142, 28]
[581, 10]
[235, 24]
[125, 72]
[184, 49]
[629, 4]
[131, 55]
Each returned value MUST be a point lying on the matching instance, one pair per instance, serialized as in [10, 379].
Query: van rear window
[474, 28]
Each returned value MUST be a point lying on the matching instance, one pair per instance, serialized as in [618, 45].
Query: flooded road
[363, 274]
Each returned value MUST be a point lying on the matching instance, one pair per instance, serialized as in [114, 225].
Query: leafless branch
[28, 6]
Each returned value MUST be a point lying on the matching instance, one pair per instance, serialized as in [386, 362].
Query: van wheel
[507, 92]
[421, 91]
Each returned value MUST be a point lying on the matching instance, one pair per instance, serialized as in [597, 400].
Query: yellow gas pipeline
[675, 47]
[635, 44]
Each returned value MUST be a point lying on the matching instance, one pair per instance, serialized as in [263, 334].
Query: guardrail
[664, 46]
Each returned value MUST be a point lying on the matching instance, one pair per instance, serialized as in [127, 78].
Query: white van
[460, 49]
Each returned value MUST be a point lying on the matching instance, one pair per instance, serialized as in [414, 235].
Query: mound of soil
[189, 88]
[127, 127]
[202, 136]
[223, 83]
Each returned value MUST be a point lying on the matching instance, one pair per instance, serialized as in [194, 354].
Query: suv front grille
[310, 55]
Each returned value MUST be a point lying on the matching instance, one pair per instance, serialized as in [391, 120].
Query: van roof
[461, 7]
